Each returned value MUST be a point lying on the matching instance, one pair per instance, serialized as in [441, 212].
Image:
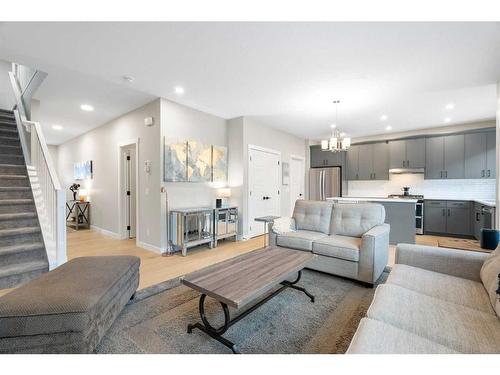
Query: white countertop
[372, 199]
[486, 202]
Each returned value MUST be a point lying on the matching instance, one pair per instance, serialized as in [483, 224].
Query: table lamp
[222, 194]
[83, 194]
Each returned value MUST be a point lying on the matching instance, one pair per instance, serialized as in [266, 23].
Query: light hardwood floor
[156, 269]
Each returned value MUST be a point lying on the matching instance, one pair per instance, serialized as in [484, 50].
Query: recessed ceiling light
[179, 90]
[57, 127]
[86, 108]
[383, 117]
[333, 126]
[129, 79]
[388, 127]
[447, 119]
[449, 106]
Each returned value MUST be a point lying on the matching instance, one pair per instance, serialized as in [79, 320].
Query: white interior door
[297, 181]
[263, 187]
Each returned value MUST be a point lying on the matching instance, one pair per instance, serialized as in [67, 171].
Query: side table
[78, 214]
[266, 220]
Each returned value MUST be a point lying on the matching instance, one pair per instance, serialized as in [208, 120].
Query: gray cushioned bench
[69, 309]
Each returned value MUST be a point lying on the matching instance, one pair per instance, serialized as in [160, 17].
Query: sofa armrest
[454, 262]
[374, 253]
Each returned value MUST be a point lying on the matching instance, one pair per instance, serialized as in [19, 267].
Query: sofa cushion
[342, 247]
[455, 326]
[355, 219]
[489, 276]
[445, 287]
[376, 337]
[71, 298]
[300, 240]
[313, 215]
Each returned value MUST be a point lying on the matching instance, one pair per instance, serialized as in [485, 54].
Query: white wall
[497, 211]
[54, 155]
[431, 189]
[101, 145]
[7, 99]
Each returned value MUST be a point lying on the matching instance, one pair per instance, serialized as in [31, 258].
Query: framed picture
[83, 170]
[175, 162]
[199, 162]
[219, 164]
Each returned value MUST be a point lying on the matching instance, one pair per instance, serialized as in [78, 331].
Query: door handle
[449, 211]
[477, 216]
[482, 173]
[408, 164]
[443, 212]
[445, 174]
[374, 176]
[441, 174]
[489, 173]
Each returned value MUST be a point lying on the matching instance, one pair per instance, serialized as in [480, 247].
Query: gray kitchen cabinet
[321, 158]
[380, 160]
[434, 157]
[397, 150]
[475, 155]
[491, 154]
[352, 163]
[368, 162]
[445, 157]
[447, 217]
[415, 153]
[477, 220]
[434, 219]
[454, 156]
[480, 155]
[408, 153]
[458, 221]
[365, 162]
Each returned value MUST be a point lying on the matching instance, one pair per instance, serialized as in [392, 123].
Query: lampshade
[324, 145]
[83, 193]
[333, 143]
[224, 193]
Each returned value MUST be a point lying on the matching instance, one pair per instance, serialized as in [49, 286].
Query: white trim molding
[105, 232]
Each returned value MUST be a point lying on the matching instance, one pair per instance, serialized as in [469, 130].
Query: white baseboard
[105, 232]
[148, 246]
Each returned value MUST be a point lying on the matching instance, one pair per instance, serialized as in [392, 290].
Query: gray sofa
[69, 309]
[436, 300]
[350, 240]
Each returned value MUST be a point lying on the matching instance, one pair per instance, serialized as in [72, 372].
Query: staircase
[22, 251]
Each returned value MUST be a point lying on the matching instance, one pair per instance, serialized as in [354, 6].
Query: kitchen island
[399, 214]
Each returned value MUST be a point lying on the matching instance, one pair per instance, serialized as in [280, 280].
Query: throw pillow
[284, 225]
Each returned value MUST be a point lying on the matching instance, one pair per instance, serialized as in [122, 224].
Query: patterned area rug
[288, 323]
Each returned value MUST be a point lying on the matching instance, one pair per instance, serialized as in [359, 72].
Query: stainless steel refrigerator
[325, 183]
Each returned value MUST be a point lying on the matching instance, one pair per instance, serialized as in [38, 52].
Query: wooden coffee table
[239, 281]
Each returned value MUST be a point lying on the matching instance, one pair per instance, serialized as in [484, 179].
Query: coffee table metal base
[216, 333]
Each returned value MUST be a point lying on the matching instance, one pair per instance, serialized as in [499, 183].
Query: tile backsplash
[431, 189]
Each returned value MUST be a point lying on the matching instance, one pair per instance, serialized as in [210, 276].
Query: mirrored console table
[191, 227]
[225, 223]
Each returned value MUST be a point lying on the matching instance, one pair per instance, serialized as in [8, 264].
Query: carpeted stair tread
[12, 166]
[12, 202]
[15, 188]
[26, 267]
[15, 249]
[12, 176]
[18, 231]
[17, 216]
[10, 138]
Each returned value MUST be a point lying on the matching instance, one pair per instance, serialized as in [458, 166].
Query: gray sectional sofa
[350, 240]
[436, 300]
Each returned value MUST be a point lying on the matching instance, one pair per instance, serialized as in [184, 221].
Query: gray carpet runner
[22, 252]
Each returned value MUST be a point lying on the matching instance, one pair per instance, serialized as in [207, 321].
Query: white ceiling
[285, 74]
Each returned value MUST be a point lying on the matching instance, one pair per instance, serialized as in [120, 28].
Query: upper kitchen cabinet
[445, 157]
[408, 153]
[368, 162]
[352, 163]
[321, 158]
[454, 156]
[491, 154]
[480, 155]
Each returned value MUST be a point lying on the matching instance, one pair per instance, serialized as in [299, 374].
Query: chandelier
[338, 141]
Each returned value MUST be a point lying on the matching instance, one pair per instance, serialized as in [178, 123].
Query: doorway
[263, 186]
[297, 180]
[128, 191]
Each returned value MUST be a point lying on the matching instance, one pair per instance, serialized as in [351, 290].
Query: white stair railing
[50, 199]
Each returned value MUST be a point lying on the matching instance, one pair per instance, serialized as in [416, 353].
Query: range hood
[406, 170]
